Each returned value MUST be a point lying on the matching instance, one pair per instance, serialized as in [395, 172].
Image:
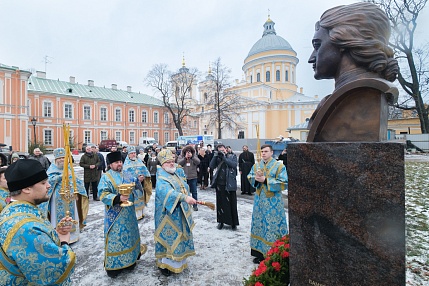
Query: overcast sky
[118, 41]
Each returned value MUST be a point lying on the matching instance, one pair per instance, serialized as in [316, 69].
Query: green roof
[63, 88]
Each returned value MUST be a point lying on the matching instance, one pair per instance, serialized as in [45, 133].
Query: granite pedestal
[346, 214]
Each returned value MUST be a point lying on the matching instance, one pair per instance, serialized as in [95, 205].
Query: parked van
[146, 141]
[106, 145]
[171, 145]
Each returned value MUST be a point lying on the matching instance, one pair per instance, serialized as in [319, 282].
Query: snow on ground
[222, 256]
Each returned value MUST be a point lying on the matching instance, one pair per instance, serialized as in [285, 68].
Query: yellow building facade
[269, 94]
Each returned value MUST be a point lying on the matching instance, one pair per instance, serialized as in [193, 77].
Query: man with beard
[245, 162]
[31, 250]
[55, 209]
[173, 217]
[134, 168]
[269, 177]
[225, 182]
[121, 232]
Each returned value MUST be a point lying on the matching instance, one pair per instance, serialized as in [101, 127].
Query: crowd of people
[32, 198]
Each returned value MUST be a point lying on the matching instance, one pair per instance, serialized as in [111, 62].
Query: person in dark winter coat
[90, 163]
[189, 161]
[225, 182]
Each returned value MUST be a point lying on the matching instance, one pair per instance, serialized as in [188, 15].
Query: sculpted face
[326, 57]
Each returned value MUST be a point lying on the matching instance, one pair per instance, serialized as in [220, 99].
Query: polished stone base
[346, 213]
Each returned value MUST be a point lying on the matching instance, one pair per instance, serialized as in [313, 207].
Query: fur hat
[188, 148]
[24, 173]
[59, 153]
[165, 155]
[114, 157]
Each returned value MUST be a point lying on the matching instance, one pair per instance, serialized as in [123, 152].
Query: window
[131, 116]
[132, 137]
[86, 113]
[202, 109]
[47, 137]
[68, 110]
[156, 136]
[240, 134]
[118, 115]
[103, 135]
[277, 75]
[47, 109]
[166, 137]
[258, 77]
[287, 75]
[87, 136]
[144, 134]
[176, 135]
[195, 124]
[71, 138]
[155, 118]
[267, 76]
[205, 96]
[103, 114]
[118, 136]
[144, 116]
[166, 118]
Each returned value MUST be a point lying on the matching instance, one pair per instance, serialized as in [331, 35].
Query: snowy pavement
[222, 256]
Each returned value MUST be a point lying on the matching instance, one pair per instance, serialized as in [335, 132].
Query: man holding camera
[225, 182]
[189, 161]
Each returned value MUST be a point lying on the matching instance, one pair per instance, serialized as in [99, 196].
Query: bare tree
[413, 60]
[175, 90]
[223, 103]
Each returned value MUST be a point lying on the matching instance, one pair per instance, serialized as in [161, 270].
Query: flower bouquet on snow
[274, 269]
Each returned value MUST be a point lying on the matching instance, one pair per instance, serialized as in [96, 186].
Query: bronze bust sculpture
[351, 46]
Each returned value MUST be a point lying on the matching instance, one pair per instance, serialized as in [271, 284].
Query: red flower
[276, 250]
[276, 266]
[285, 254]
[259, 284]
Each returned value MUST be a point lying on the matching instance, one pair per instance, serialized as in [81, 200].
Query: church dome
[269, 41]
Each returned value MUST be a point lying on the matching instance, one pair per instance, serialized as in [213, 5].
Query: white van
[146, 141]
[171, 145]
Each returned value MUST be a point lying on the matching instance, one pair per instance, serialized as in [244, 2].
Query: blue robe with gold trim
[173, 220]
[132, 169]
[56, 207]
[268, 217]
[4, 194]
[121, 232]
[31, 249]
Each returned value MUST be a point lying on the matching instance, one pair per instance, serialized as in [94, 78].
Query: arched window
[258, 77]
[277, 75]
[267, 76]
[287, 75]
[251, 79]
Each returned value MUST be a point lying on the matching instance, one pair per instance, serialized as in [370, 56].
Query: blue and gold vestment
[55, 209]
[4, 195]
[173, 221]
[134, 168]
[31, 249]
[121, 232]
[268, 217]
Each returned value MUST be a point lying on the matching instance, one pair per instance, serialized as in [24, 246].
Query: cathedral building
[269, 94]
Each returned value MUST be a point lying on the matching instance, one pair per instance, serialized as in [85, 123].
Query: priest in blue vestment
[55, 209]
[269, 223]
[122, 238]
[173, 217]
[135, 168]
[32, 252]
[4, 191]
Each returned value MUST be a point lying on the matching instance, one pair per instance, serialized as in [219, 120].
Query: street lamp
[34, 122]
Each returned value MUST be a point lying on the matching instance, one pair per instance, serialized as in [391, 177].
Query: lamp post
[34, 122]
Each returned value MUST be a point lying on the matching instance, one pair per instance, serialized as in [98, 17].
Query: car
[87, 144]
[171, 145]
[106, 145]
[5, 152]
